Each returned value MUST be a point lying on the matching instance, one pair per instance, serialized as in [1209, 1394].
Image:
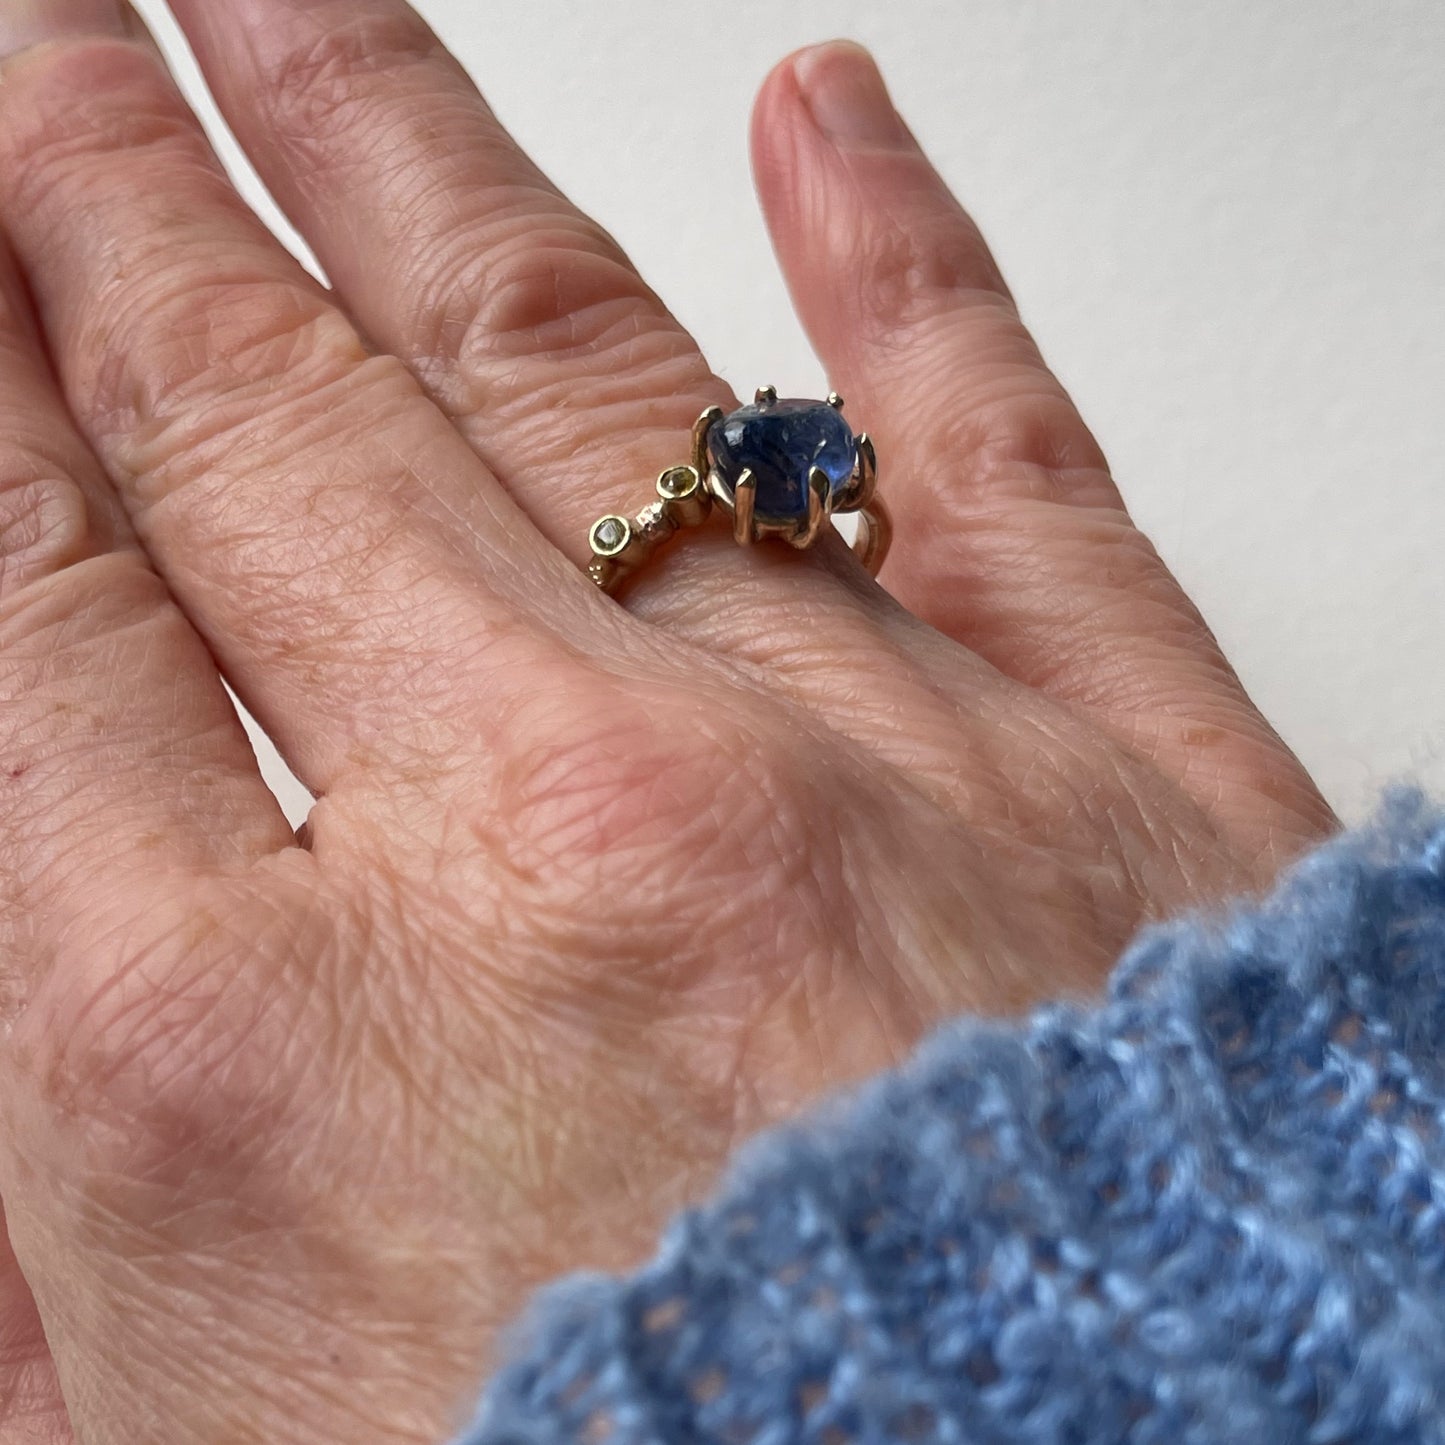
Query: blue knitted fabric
[1209, 1210]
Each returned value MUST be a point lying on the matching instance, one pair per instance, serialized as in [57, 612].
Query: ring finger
[520, 315]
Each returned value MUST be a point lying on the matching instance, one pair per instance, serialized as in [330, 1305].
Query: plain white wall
[1225, 222]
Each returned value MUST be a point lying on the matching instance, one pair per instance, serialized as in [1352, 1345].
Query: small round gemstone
[781, 442]
[678, 481]
[610, 535]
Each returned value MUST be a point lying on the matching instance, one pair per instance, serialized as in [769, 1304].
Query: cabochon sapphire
[780, 442]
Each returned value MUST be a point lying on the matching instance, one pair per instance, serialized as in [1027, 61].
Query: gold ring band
[841, 477]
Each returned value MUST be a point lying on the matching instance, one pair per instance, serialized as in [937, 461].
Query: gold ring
[777, 468]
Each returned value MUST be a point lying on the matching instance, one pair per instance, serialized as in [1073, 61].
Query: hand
[591, 891]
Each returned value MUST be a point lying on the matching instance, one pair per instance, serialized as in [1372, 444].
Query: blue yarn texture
[1208, 1208]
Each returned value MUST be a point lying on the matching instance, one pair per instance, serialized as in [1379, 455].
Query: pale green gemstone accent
[678, 482]
[609, 535]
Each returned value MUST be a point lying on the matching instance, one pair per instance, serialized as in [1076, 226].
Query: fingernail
[845, 93]
[24, 23]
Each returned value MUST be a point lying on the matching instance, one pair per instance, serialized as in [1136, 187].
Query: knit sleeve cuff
[1210, 1208]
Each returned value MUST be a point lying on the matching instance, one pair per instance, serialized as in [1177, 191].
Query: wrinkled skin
[592, 891]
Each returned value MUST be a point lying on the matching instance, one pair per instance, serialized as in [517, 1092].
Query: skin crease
[592, 892]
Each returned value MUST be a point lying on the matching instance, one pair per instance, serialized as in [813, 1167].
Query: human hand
[591, 891]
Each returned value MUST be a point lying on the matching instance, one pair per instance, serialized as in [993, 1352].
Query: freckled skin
[592, 892]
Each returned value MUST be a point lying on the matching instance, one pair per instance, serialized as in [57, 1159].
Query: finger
[32, 1410]
[343, 551]
[114, 724]
[1010, 533]
[518, 312]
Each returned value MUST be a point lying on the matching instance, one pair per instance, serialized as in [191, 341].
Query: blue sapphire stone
[780, 442]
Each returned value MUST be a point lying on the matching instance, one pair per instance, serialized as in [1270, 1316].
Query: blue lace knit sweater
[1208, 1211]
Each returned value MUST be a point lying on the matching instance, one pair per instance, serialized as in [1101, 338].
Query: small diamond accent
[609, 534]
[652, 523]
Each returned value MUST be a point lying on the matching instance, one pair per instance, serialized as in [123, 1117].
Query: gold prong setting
[820, 509]
[862, 486]
[744, 504]
[701, 429]
[687, 494]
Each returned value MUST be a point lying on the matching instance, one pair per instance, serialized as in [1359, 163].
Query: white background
[1225, 221]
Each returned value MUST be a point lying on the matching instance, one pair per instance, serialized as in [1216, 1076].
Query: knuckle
[293, 436]
[922, 264]
[604, 790]
[627, 828]
[49, 141]
[44, 524]
[544, 287]
[1012, 432]
[51, 635]
[182, 336]
[156, 1044]
[325, 59]
[203, 307]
